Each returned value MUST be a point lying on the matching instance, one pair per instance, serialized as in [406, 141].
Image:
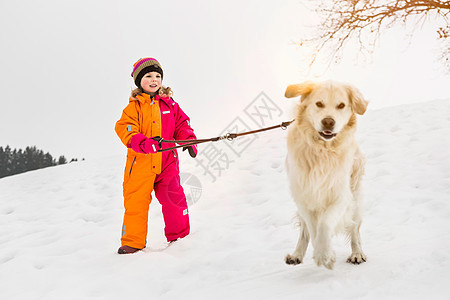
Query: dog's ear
[359, 104]
[301, 89]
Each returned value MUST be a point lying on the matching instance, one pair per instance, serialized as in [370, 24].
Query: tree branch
[344, 19]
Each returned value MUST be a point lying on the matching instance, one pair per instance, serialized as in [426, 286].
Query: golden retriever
[325, 167]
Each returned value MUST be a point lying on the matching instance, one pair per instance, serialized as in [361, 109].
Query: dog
[325, 167]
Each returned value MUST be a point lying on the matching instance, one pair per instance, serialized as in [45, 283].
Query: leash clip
[231, 136]
[285, 125]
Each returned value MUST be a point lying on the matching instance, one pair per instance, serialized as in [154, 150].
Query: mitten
[140, 143]
[192, 150]
[189, 135]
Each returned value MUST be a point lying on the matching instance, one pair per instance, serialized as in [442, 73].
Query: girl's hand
[192, 150]
[189, 135]
[141, 144]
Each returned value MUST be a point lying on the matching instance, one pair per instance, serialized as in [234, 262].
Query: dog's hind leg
[302, 244]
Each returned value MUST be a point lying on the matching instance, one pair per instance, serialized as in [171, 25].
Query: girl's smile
[151, 82]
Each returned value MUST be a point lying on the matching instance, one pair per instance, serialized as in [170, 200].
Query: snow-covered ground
[60, 227]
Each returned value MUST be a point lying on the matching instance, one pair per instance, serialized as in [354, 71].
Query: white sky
[65, 66]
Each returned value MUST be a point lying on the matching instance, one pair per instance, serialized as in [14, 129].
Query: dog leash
[228, 136]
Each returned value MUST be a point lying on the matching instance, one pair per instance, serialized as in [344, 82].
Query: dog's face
[328, 106]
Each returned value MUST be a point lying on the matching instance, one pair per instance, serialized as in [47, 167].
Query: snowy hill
[60, 227]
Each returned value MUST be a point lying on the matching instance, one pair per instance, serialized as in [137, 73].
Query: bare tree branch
[366, 19]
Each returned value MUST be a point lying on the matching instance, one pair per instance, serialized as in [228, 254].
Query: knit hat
[143, 66]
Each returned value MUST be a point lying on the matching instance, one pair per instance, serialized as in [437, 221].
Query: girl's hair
[166, 91]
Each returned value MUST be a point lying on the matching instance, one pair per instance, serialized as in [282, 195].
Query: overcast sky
[65, 66]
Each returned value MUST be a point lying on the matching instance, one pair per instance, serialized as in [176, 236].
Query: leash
[228, 136]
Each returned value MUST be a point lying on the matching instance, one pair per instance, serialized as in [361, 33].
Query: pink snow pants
[168, 191]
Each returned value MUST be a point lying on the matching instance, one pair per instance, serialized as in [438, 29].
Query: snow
[60, 227]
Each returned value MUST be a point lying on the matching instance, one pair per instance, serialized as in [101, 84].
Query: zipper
[131, 168]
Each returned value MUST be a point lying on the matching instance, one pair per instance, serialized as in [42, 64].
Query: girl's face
[151, 82]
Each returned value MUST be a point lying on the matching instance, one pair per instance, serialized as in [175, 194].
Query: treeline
[18, 161]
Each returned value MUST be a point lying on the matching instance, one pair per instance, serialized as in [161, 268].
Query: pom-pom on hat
[143, 66]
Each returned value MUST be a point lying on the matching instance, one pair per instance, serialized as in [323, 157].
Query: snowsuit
[153, 116]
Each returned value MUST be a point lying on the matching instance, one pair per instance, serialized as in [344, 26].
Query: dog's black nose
[328, 123]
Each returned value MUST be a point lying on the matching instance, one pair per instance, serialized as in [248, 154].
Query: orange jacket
[153, 116]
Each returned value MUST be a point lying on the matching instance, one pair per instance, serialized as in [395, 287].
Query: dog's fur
[325, 167]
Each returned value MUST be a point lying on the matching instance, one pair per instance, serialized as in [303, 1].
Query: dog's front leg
[302, 244]
[357, 255]
[323, 254]
[326, 226]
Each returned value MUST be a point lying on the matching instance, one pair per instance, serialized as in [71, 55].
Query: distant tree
[14, 162]
[366, 19]
[8, 160]
[3, 159]
[18, 161]
[62, 160]
[48, 160]
[29, 157]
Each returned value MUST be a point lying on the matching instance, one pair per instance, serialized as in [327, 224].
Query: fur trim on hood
[163, 92]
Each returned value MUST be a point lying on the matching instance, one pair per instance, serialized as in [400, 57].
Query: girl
[151, 112]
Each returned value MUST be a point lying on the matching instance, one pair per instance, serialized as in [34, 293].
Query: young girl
[151, 112]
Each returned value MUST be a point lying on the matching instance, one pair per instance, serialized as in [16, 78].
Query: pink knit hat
[143, 66]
